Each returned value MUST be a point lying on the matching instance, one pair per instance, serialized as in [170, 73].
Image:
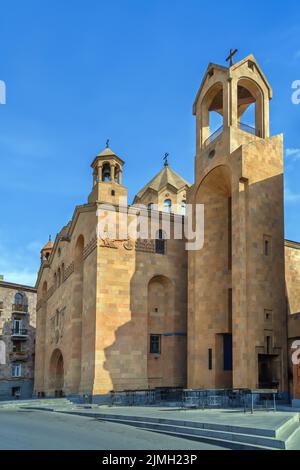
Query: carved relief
[146, 246]
[129, 245]
[68, 271]
[108, 243]
[57, 326]
[90, 247]
[50, 292]
[41, 303]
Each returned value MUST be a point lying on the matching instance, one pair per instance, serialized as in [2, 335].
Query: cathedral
[117, 312]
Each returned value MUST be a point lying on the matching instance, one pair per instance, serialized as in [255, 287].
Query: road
[39, 430]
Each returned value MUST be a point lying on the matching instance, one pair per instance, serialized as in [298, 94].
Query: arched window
[212, 114]
[20, 299]
[250, 107]
[246, 110]
[160, 242]
[106, 172]
[151, 206]
[168, 205]
[183, 208]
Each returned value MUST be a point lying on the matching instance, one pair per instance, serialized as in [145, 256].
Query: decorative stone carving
[147, 246]
[129, 245]
[89, 248]
[68, 271]
[57, 326]
[108, 243]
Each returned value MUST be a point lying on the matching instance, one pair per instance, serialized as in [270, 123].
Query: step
[293, 442]
[232, 445]
[275, 433]
[221, 436]
[34, 403]
[288, 432]
[285, 430]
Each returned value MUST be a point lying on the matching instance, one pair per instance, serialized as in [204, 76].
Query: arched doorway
[57, 372]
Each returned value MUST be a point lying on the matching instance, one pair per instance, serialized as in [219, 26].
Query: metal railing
[19, 332]
[20, 308]
[242, 126]
[19, 356]
[214, 136]
[246, 128]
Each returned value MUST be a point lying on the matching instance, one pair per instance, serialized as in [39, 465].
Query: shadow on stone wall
[157, 293]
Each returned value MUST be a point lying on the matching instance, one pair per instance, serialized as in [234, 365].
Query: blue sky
[78, 72]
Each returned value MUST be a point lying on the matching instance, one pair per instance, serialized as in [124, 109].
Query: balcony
[249, 129]
[243, 127]
[20, 309]
[19, 356]
[214, 136]
[19, 333]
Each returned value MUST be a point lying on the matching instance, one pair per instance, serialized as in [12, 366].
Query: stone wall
[292, 270]
[105, 346]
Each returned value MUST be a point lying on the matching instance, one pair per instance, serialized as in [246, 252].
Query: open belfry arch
[236, 296]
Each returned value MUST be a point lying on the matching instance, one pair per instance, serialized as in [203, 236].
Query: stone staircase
[43, 403]
[285, 437]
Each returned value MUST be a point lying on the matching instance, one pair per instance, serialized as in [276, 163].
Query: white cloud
[19, 264]
[293, 153]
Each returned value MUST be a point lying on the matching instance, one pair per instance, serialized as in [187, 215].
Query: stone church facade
[122, 313]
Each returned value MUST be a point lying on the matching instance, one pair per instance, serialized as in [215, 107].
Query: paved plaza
[41, 430]
[61, 424]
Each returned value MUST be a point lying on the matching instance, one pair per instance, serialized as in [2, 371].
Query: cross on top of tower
[107, 143]
[166, 159]
[231, 56]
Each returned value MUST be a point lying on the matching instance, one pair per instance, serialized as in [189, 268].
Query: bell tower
[236, 319]
[225, 97]
[107, 179]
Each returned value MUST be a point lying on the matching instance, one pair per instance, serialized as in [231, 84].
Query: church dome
[165, 177]
[48, 246]
[46, 250]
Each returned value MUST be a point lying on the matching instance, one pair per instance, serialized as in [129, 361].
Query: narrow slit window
[229, 233]
[267, 245]
[210, 364]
